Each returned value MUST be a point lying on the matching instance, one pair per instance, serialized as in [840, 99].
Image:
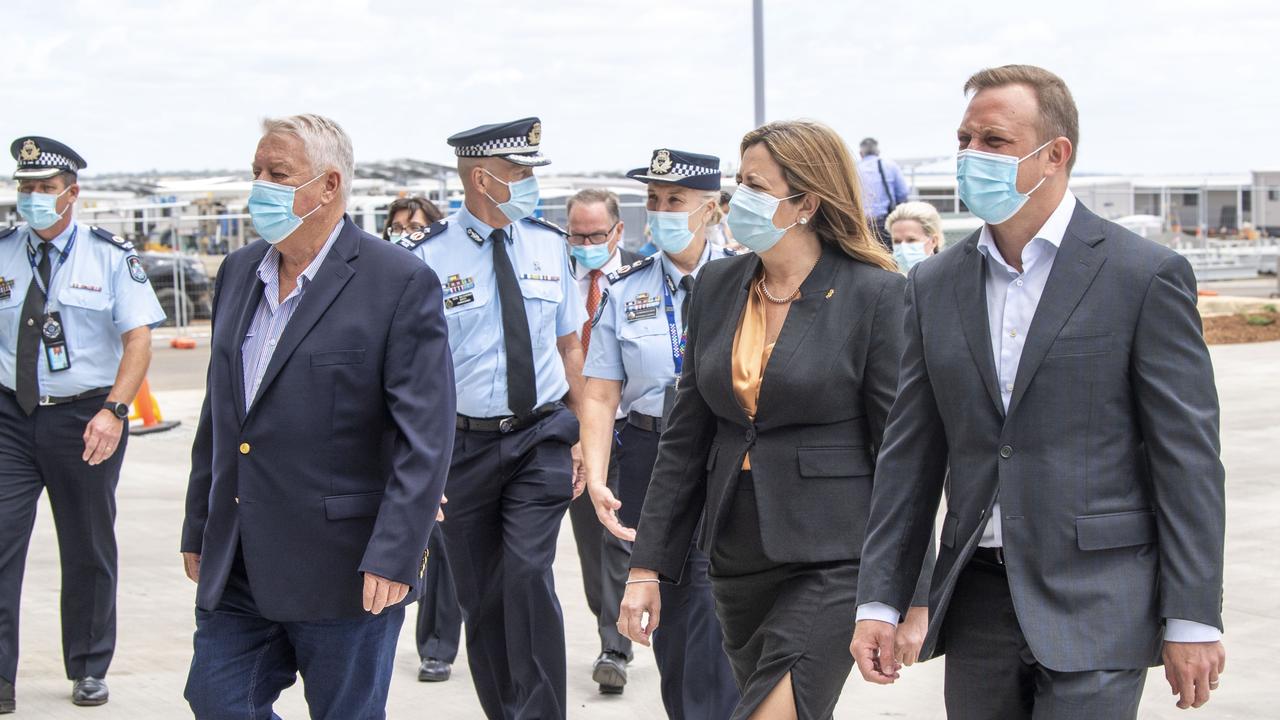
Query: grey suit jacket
[1107, 462]
[823, 403]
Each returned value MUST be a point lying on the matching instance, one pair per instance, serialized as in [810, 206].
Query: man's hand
[1192, 669]
[639, 600]
[440, 510]
[910, 636]
[381, 593]
[101, 437]
[607, 511]
[579, 471]
[872, 649]
[191, 564]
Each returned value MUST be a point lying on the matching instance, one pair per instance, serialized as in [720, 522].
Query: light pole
[757, 13]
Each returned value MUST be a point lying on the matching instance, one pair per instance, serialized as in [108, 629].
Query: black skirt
[781, 618]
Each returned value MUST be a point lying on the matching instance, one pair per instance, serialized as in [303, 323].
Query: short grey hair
[327, 145]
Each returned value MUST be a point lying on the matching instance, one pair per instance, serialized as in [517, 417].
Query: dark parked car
[195, 284]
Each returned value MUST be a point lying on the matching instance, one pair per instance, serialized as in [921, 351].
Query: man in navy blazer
[323, 446]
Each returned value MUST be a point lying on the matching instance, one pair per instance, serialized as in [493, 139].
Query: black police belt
[508, 423]
[48, 400]
[646, 422]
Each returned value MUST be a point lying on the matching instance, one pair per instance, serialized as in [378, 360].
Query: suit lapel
[804, 310]
[1074, 268]
[250, 290]
[332, 276]
[971, 301]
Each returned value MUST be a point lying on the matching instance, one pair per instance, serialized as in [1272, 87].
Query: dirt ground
[1242, 328]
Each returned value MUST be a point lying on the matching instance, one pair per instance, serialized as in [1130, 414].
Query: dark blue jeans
[243, 661]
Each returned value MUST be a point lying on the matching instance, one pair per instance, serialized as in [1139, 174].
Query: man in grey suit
[1056, 371]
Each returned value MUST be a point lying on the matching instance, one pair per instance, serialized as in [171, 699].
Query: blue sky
[1174, 86]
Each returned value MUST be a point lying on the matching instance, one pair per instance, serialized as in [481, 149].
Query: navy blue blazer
[338, 467]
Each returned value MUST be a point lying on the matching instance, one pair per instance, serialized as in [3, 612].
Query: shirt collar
[672, 272]
[580, 271]
[467, 220]
[1052, 232]
[59, 241]
[269, 267]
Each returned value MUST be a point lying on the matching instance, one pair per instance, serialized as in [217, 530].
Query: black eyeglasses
[595, 238]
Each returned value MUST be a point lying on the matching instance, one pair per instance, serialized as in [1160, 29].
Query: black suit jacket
[821, 414]
[1106, 462]
[338, 467]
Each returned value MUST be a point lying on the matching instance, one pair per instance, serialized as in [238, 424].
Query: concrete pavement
[156, 600]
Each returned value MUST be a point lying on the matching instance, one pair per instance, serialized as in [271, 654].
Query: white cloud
[1171, 86]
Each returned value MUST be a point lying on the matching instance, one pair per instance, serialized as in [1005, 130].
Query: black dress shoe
[610, 672]
[433, 670]
[90, 692]
[7, 702]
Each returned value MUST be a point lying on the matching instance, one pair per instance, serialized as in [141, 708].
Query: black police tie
[686, 284]
[29, 329]
[522, 389]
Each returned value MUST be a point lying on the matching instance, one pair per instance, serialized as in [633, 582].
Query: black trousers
[605, 560]
[43, 452]
[696, 679]
[439, 617]
[991, 673]
[507, 497]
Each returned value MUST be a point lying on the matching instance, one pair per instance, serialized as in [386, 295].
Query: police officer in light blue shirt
[635, 357]
[75, 342]
[514, 312]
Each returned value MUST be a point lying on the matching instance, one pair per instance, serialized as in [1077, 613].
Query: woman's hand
[910, 637]
[607, 511]
[640, 599]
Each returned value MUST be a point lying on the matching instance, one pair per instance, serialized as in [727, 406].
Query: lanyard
[678, 337]
[57, 265]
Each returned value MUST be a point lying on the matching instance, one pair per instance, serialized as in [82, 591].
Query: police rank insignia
[135, 269]
[30, 151]
[475, 236]
[642, 307]
[535, 134]
[661, 164]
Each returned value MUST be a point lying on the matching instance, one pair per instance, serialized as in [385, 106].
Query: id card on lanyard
[678, 338]
[56, 352]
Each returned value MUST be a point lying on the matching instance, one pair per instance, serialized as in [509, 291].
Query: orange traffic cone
[147, 409]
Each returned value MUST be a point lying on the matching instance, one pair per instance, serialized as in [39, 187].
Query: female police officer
[636, 352]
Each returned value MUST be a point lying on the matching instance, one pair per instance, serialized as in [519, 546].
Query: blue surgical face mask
[988, 184]
[908, 254]
[592, 257]
[271, 209]
[751, 219]
[524, 197]
[40, 210]
[670, 231]
[395, 237]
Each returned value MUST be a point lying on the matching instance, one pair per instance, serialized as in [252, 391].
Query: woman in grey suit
[790, 367]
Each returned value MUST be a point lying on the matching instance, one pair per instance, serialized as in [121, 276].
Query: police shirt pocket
[10, 309]
[541, 300]
[358, 505]
[462, 305]
[1116, 530]
[337, 357]
[91, 300]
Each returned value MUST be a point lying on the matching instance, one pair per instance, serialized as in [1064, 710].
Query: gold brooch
[831, 292]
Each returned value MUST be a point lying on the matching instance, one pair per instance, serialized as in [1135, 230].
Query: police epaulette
[111, 238]
[412, 241]
[626, 270]
[6, 232]
[547, 224]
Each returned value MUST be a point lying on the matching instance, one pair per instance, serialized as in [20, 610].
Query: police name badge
[454, 301]
[56, 352]
[642, 307]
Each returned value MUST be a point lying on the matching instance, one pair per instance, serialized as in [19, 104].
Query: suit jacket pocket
[337, 357]
[950, 525]
[828, 462]
[1116, 530]
[1066, 346]
[358, 505]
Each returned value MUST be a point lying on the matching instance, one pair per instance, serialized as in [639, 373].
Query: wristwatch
[120, 410]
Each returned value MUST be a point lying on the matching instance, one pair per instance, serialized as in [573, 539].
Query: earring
[804, 221]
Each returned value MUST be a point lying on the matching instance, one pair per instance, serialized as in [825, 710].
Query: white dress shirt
[1012, 299]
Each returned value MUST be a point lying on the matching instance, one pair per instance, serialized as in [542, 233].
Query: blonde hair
[923, 213]
[327, 145]
[815, 160]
